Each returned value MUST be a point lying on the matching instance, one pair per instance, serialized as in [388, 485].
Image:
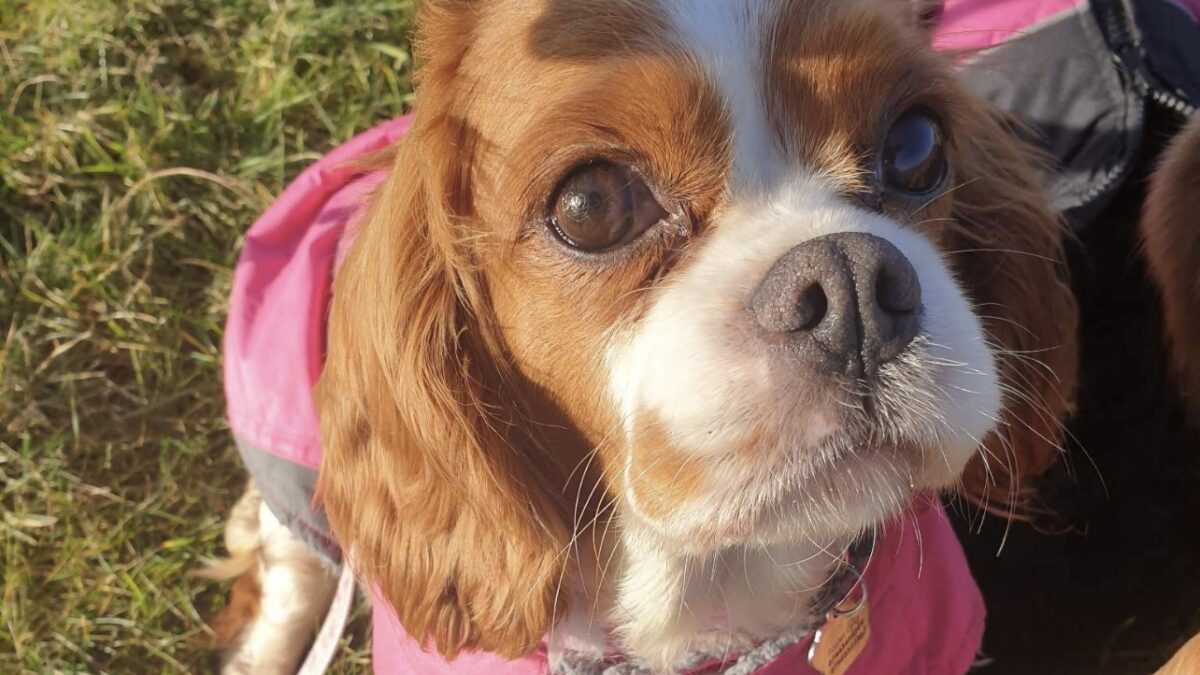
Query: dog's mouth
[826, 469]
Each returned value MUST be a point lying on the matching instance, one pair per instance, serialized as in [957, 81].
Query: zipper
[1172, 102]
[1117, 23]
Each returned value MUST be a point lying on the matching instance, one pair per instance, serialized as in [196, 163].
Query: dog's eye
[602, 205]
[914, 153]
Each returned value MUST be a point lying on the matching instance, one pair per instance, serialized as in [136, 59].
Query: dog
[652, 338]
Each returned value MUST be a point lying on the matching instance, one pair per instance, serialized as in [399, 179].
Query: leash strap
[325, 646]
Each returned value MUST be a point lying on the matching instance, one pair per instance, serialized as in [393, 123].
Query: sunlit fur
[503, 429]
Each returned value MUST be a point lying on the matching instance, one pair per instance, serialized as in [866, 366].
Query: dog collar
[842, 598]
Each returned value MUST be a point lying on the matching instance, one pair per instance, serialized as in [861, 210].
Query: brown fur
[671, 479]
[1007, 249]
[1171, 236]
[245, 597]
[439, 501]
[243, 541]
[454, 410]
[446, 486]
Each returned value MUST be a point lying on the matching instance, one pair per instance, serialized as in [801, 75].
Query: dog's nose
[846, 302]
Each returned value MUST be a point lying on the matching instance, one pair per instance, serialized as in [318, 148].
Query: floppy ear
[1007, 250]
[1171, 239]
[430, 475]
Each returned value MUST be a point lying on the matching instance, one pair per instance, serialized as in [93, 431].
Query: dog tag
[843, 637]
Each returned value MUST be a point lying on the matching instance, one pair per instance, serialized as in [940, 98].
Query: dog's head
[727, 271]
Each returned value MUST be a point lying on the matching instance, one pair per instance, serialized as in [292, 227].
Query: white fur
[726, 37]
[691, 365]
[297, 589]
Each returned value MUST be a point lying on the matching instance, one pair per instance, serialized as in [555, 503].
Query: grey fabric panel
[1062, 80]
[288, 490]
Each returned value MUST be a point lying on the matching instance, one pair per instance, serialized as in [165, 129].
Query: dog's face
[748, 271]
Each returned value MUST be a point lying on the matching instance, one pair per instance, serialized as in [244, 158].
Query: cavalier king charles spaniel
[663, 304]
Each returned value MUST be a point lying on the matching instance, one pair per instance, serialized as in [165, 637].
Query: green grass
[138, 140]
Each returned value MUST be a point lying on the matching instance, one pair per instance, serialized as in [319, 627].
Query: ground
[138, 140]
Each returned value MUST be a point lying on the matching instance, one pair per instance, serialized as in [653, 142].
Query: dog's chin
[836, 464]
[854, 481]
[851, 486]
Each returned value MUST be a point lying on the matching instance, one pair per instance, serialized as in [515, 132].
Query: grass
[138, 140]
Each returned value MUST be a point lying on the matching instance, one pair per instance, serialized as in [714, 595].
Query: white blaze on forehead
[727, 38]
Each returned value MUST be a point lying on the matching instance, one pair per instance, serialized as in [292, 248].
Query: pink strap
[325, 646]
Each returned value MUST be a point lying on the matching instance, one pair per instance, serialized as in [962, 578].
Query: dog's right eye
[914, 154]
[601, 205]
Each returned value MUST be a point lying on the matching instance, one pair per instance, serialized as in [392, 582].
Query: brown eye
[601, 205]
[914, 153]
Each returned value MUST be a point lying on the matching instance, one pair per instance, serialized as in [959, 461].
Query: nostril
[811, 307]
[897, 290]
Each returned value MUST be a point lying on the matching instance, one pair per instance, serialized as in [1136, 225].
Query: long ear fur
[1171, 238]
[429, 476]
[1008, 252]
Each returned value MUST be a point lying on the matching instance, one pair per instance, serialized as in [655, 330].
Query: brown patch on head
[838, 74]
[585, 29]
[559, 309]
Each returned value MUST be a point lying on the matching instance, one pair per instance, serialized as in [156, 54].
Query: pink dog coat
[926, 613]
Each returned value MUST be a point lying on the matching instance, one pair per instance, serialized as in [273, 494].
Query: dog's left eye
[601, 205]
[914, 153]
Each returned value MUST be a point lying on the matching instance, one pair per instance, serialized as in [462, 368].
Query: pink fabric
[926, 612]
[978, 24]
[275, 335]
[394, 652]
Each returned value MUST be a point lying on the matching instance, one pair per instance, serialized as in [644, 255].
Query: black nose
[846, 302]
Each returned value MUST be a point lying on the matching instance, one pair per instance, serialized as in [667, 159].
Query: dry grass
[138, 140]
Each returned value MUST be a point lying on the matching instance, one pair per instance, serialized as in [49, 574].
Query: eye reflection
[914, 153]
[601, 205]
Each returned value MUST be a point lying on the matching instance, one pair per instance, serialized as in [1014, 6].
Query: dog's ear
[1007, 249]
[1170, 228]
[430, 476]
